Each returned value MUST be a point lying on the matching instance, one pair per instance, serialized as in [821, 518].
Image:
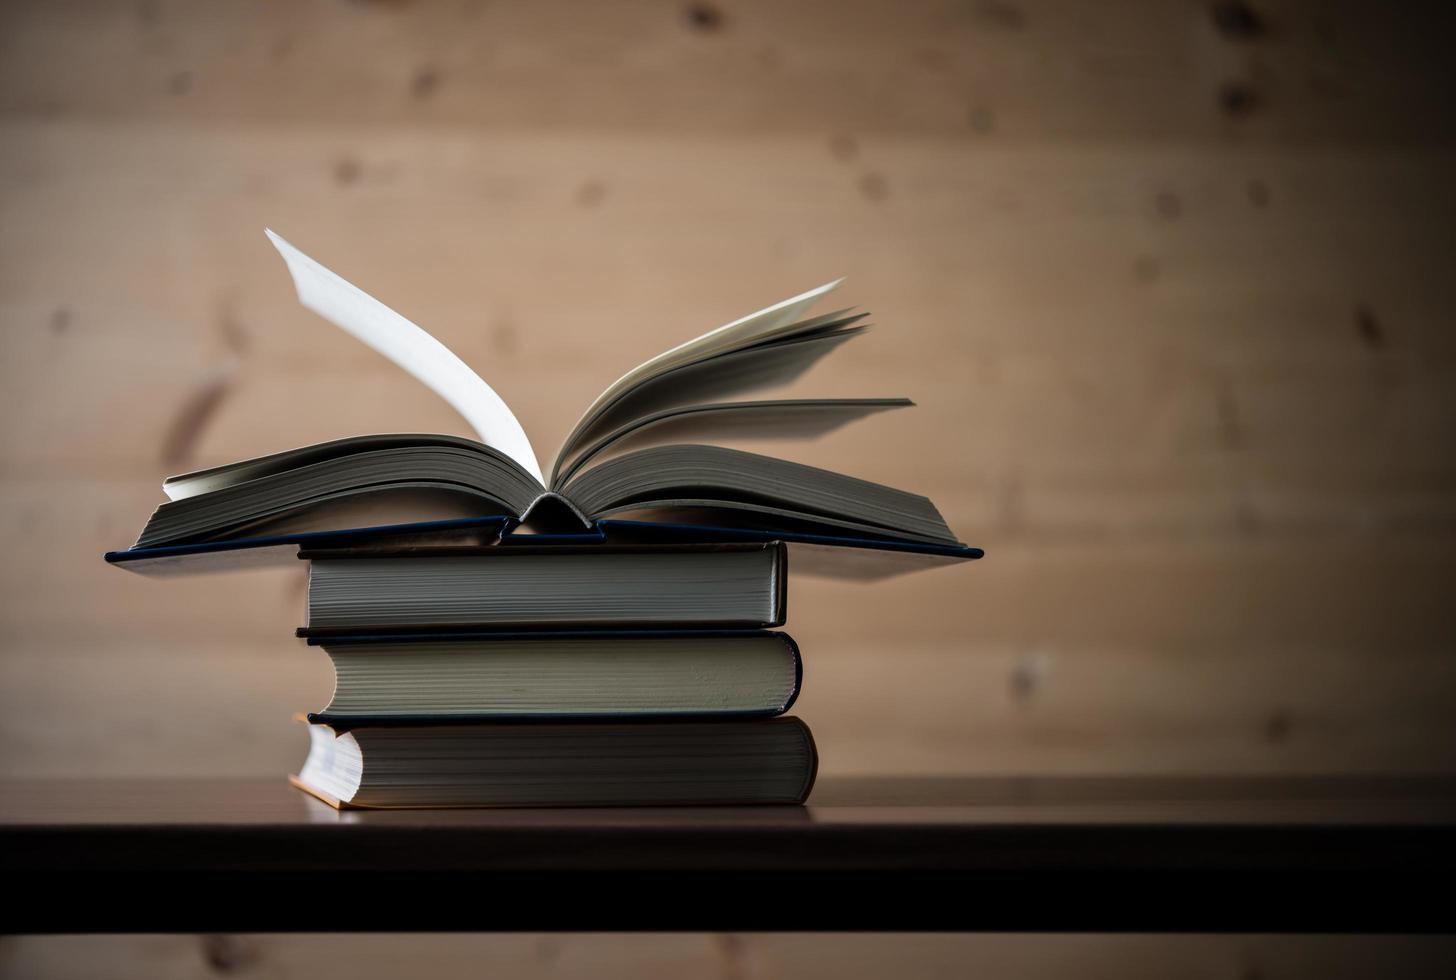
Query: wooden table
[984, 854]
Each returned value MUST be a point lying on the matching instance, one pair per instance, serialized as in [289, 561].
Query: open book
[635, 464]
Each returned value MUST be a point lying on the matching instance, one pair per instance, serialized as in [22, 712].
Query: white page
[406, 344]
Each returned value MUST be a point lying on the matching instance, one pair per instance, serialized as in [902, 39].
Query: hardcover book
[556, 587]
[620, 764]
[634, 466]
[534, 676]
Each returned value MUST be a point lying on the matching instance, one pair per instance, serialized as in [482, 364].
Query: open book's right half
[642, 462]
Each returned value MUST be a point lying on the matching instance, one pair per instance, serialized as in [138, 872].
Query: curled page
[406, 344]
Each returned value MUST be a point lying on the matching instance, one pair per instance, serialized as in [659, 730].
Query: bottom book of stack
[652, 763]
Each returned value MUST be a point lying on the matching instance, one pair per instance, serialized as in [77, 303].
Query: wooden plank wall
[1173, 291]
[1172, 284]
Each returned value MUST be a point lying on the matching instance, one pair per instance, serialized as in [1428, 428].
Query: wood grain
[1175, 302]
[1045, 70]
[767, 955]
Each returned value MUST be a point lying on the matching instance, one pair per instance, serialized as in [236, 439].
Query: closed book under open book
[741, 586]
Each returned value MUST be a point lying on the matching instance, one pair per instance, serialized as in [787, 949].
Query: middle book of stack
[534, 675]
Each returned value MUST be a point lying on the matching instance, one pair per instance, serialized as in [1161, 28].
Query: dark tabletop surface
[931, 800]
[997, 853]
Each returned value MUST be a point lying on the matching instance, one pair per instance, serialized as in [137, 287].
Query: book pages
[781, 319]
[408, 345]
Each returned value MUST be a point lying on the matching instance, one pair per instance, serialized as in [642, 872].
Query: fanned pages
[779, 320]
[641, 462]
[784, 418]
[762, 366]
[735, 372]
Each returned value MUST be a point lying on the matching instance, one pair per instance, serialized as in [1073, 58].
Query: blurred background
[1172, 283]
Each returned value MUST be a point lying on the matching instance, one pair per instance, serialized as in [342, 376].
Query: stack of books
[555, 675]
[601, 635]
